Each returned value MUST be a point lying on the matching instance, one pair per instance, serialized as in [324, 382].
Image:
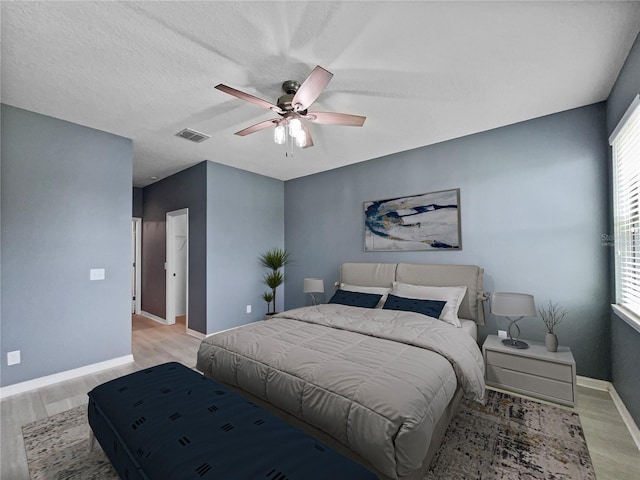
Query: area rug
[57, 448]
[508, 438]
[513, 438]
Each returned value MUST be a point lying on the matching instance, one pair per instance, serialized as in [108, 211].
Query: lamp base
[513, 343]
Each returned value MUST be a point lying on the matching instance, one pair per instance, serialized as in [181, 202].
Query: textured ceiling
[421, 72]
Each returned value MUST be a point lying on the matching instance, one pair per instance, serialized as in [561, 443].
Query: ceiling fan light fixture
[295, 127]
[279, 134]
[301, 139]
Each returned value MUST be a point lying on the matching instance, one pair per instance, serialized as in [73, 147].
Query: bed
[378, 385]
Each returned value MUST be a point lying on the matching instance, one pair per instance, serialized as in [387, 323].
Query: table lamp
[511, 305]
[313, 286]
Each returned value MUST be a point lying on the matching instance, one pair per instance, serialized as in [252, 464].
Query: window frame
[629, 313]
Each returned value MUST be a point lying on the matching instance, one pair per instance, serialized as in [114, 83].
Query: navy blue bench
[169, 422]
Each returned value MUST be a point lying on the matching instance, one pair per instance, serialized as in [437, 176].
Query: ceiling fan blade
[248, 98]
[331, 118]
[307, 132]
[258, 126]
[311, 88]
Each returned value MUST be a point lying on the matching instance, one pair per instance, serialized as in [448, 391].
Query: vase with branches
[274, 259]
[552, 315]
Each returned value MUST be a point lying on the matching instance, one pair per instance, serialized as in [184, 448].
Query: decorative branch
[552, 315]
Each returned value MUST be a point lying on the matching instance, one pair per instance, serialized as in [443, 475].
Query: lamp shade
[512, 305]
[313, 285]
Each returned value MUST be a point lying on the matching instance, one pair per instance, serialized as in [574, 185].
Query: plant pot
[551, 341]
[267, 316]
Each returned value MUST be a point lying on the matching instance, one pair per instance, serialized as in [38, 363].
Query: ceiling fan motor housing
[290, 87]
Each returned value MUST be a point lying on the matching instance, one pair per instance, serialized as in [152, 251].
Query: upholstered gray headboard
[384, 274]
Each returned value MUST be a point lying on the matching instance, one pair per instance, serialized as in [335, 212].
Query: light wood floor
[612, 450]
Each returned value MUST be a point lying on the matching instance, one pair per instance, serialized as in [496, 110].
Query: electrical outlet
[13, 358]
[248, 308]
[502, 334]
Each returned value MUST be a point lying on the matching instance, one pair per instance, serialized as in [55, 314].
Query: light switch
[13, 358]
[248, 308]
[96, 274]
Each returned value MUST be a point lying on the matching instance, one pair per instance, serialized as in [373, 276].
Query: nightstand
[534, 371]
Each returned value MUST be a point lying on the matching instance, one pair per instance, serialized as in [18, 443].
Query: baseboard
[195, 333]
[605, 386]
[225, 330]
[153, 317]
[594, 383]
[40, 382]
[626, 416]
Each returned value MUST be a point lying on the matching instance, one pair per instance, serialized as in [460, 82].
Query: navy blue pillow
[355, 299]
[431, 308]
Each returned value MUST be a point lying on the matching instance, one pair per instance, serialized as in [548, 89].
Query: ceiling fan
[292, 107]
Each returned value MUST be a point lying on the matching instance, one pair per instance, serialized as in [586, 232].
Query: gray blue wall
[625, 341]
[245, 217]
[185, 189]
[233, 216]
[137, 196]
[533, 206]
[66, 208]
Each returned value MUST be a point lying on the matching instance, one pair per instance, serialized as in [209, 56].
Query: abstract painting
[429, 221]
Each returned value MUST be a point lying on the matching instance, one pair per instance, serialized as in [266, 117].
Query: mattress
[375, 380]
[470, 327]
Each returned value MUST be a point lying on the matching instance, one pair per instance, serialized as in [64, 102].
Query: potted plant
[268, 297]
[274, 259]
[552, 315]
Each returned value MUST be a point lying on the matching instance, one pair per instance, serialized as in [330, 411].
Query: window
[625, 141]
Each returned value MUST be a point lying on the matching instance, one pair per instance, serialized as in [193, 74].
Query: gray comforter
[375, 380]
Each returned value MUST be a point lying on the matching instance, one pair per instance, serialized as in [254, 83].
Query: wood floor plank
[612, 450]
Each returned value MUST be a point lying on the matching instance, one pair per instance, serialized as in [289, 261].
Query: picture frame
[427, 221]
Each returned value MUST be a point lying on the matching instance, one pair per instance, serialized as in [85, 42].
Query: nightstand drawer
[525, 382]
[532, 366]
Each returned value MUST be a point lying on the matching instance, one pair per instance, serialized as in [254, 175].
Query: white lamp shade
[295, 126]
[512, 305]
[279, 134]
[301, 139]
[313, 285]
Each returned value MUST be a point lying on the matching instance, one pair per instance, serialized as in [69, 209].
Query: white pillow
[384, 291]
[452, 295]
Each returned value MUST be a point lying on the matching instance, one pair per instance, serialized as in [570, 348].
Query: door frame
[170, 315]
[137, 290]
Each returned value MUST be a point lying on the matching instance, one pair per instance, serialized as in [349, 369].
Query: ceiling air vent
[192, 135]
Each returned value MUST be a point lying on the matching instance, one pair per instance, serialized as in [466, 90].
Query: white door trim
[137, 221]
[170, 315]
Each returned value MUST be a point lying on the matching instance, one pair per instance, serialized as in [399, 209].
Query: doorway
[177, 268]
[136, 241]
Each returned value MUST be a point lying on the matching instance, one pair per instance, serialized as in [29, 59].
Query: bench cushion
[169, 422]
